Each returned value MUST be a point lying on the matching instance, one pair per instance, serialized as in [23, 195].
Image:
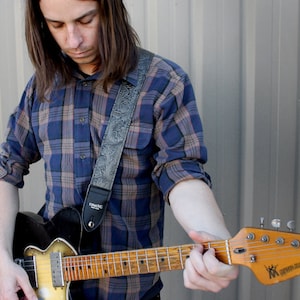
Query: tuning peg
[276, 223]
[291, 225]
[262, 222]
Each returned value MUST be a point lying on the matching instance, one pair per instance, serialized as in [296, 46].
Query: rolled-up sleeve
[19, 149]
[178, 136]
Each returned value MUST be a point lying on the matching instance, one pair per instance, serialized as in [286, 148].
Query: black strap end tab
[94, 208]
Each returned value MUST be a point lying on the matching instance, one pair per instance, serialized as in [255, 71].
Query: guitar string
[155, 250]
[106, 259]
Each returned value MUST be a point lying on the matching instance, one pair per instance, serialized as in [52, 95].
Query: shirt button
[85, 84]
[82, 120]
[82, 156]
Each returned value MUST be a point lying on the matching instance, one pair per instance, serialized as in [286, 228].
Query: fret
[163, 260]
[114, 264]
[95, 259]
[71, 269]
[102, 267]
[80, 268]
[152, 263]
[86, 267]
[125, 264]
[143, 262]
[121, 263]
[157, 261]
[89, 267]
[75, 269]
[147, 261]
[180, 256]
[129, 263]
[67, 273]
[107, 266]
[134, 262]
[138, 261]
[142, 259]
[92, 268]
[168, 257]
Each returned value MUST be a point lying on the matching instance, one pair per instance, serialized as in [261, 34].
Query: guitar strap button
[91, 224]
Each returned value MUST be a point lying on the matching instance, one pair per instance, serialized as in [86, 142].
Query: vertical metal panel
[204, 38]
[15, 65]
[15, 72]
[270, 125]
[243, 59]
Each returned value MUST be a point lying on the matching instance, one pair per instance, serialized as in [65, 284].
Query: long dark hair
[118, 46]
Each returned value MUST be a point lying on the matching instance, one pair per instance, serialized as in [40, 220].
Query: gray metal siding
[243, 60]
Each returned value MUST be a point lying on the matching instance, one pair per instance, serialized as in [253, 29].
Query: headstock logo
[289, 269]
[272, 270]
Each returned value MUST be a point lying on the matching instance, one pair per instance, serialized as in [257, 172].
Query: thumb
[201, 236]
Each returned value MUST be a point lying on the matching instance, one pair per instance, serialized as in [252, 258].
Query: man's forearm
[9, 204]
[195, 208]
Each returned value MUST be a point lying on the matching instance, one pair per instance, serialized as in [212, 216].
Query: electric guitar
[46, 251]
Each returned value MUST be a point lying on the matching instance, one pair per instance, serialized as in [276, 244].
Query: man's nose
[74, 37]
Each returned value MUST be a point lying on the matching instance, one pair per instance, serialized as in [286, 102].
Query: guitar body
[31, 229]
[62, 234]
[44, 270]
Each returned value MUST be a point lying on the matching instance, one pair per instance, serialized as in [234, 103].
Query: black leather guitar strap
[99, 190]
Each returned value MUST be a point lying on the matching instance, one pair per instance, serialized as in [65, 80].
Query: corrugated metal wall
[243, 59]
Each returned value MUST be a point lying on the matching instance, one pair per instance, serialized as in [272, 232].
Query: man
[81, 51]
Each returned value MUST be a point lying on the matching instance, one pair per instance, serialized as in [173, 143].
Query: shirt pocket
[140, 138]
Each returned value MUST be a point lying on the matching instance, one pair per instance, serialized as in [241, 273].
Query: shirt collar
[131, 77]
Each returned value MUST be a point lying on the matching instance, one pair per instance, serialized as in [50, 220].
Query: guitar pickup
[56, 269]
[29, 265]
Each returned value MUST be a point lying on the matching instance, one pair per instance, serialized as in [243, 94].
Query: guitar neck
[134, 262]
[272, 255]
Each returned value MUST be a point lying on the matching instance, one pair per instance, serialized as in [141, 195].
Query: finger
[194, 280]
[203, 264]
[206, 273]
[217, 268]
[25, 286]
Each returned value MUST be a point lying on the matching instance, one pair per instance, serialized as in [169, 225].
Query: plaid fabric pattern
[164, 146]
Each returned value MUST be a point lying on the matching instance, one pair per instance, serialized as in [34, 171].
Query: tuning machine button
[262, 222]
[291, 225]
[276, 223]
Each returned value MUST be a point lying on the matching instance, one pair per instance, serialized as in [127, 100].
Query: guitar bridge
[29, 265]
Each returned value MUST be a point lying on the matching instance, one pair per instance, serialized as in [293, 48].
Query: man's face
[74, 24]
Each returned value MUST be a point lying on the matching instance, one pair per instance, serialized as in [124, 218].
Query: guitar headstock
[272, 255]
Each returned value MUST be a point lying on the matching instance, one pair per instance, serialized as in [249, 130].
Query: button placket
[82, 141]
